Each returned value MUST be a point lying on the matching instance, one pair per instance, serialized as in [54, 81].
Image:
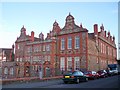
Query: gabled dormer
[56, 29]
[69, 24]
[41, 36]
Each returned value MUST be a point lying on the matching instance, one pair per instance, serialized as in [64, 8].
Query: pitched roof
[91, 35]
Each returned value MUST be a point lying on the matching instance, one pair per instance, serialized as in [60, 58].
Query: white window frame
[48, 58]
[6, 70]
[20, 59]
[29, 49]
[76, 63]
[36, 68]
[45, 58]
[36, 49]
[62, 63]
[11, 71]
[101, 47]
[62, 43]
[69, 43]
[33, 67]
[17, 59]
[36, 58]
[44, 47]
[77, 42]
[48, 47]
[69, 59]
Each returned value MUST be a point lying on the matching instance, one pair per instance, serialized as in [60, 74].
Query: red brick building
[64, 49]
[33, 54]
[7, 63]
[102, 49]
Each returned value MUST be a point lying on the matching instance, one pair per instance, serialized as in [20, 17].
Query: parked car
[92, 74]
[102, 73]
[76, 76]
[109, 72]
[113, 68]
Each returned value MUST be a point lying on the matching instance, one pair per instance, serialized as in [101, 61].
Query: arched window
[5, 70]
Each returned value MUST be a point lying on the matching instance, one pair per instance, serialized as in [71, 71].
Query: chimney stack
[113, 38]
[32, 36]
[95, 30]
[105, 33]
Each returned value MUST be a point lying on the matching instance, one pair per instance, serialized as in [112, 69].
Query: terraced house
[64, 49]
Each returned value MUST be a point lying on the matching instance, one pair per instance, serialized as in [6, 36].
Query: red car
[102, 73]
[92, 74]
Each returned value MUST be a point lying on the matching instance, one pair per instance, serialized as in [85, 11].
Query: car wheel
[65, 82]
[78, 80]
[95, 78]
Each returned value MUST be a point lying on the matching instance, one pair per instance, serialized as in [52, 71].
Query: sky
[40, 16]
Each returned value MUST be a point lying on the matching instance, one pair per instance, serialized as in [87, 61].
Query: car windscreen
[87, 72]
[77, 73]
[68, 73]
[113, 69]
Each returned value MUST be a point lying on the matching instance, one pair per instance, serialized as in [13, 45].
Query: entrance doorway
[27, 71]
[48, 71]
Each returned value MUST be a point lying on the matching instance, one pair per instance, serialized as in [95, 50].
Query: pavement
[36, 83]
[28, 79]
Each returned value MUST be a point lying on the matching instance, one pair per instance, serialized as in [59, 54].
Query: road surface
[109, 82]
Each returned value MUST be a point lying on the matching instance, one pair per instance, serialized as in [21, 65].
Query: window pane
[48, 58]
[62, 63]
[69, 63]
[69, 42]
[43, 47]
[5, 70]
[77, 42]
[76, 63]
[11, 71]
[47, 47]
[62, 44]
